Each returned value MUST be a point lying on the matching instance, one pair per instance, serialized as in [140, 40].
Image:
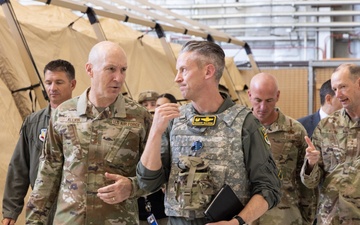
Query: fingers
[163, 114]
[8, 221]
[310, 144]
[312, 155]
[168, 110]
[109, 198]
[117, 192]
[112, 176]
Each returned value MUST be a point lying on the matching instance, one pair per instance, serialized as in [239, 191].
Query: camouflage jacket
[237, 152]
[337, 172]
[298, 203]
[82, 144]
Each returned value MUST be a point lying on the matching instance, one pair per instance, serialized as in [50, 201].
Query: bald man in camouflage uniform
[94, 143]
[224, 139]
[298, 203]
[333, 157]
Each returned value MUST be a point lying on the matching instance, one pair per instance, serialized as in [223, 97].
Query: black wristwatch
[240, 220]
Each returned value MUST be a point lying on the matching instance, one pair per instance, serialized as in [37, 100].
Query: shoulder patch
[42, 134]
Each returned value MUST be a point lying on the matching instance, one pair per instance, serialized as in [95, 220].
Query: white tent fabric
[49, 36]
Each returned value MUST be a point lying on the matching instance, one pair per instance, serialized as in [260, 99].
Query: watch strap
[240, 220]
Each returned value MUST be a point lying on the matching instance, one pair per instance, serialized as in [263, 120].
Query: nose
[178, 77]
[53, 86]
[337, 93]
[262, 105]
[120, 76]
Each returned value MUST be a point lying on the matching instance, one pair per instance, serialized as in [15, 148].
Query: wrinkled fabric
[337, 172]
[82, 145]
[298, 203]
[237, 152]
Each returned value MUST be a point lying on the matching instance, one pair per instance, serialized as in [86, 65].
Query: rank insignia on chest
[204, 121]
[42, 134]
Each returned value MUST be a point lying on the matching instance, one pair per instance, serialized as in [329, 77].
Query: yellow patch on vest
[204, 121]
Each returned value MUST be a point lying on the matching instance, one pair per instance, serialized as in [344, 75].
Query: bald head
[263, 95]
[264, 81]
[102, 49]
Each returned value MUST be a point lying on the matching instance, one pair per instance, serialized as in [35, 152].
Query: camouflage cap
[148, 96]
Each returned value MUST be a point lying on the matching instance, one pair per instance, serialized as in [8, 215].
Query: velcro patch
[204, 121]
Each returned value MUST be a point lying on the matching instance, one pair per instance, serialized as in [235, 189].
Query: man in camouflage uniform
[226, 138]
[93, 145]
[333, 157]
[298, 203]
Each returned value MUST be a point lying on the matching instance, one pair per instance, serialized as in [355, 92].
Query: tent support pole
[95, 24]
[25, 53]
[167, 48]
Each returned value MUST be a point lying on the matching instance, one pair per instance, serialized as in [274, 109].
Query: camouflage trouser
[183, 221]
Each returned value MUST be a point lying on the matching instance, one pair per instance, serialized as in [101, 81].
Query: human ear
[210, 70]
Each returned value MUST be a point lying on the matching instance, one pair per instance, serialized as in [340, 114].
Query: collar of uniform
[117, 108]
[48, 111]
[224, 106]
[345, 116]
[280, 124]
[228, 117]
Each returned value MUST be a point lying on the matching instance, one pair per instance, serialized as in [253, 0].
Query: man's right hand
[163, 114]
[312, 155]
[8, 221]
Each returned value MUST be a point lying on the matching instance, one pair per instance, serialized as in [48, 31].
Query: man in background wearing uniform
[332, 160]
[59, 82]
[93, 145]
[298, 203]
[329, 104]
[213, 133]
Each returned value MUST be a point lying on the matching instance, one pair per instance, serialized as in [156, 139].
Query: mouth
[343, 101]
[53, 95]
[182, 87]
[115, 87]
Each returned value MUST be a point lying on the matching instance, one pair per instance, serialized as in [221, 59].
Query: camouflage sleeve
[136, 191]
[308, 197]
[263, 173]
[313, 179]
[47, 183]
